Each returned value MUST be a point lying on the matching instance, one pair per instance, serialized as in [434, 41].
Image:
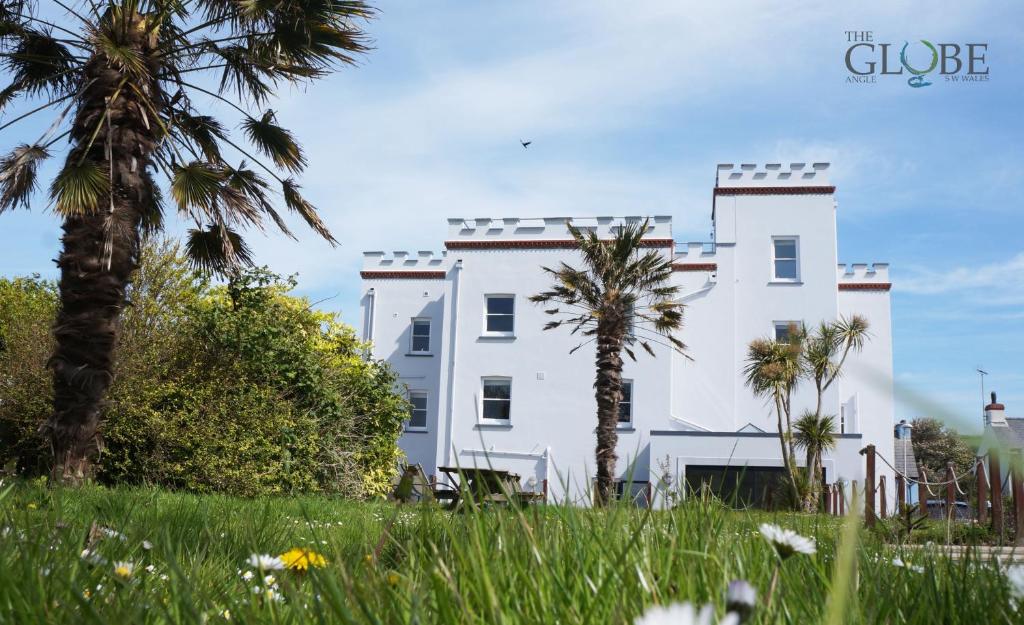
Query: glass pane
[782, 332]
[625, 412]
[499, 323]
[627, 391]
[785, 248]
[421, 343]
[499, 305]
[496, 408]
[421, 328]
[419, 402]
[498, 389]
[785, 269]
[418, 419]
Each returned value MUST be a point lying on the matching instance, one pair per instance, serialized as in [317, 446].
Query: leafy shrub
[242, 388]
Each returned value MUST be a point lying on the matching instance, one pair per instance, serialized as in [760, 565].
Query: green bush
[241, 388]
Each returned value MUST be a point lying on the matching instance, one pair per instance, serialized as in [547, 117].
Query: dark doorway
[745, 487]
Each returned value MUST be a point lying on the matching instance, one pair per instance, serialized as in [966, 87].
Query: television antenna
[981, 374]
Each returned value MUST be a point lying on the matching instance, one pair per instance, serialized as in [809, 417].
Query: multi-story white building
[490, 387]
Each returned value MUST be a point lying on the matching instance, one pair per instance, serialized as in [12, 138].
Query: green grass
[544, 565]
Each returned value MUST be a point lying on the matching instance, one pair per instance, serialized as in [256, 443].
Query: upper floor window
[417, 410]
[500, 314]
[497, 398]
[420, 336]
[785, 259]
[626, 404]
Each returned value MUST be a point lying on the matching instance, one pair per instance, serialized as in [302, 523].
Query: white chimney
[995, 413]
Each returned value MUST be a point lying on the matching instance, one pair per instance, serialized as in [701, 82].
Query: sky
[630, 106]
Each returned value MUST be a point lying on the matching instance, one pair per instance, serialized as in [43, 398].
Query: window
[419, 341]
[784, 330]
[497, 398]
[626, 404]
[784, 259]
[417, 410]
[500, 313]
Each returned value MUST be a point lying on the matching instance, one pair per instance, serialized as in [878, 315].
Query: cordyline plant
[124, 77]
[621, 297]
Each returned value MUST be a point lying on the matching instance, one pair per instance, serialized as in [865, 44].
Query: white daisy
[124, 570]
[247, 576]
[1015, 575]
[683, 614]
[147, 545]
[787, 542]
[906, 565]
[112, 533]
[150, 568]
[93, 558]
[265, 562]
[741, 598]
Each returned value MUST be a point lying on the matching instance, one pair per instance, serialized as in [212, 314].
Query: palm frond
[294, 200]
[275, 141]
[196, 186]
[18, 172]
[39, 63]
[217, 250]
[79, 188]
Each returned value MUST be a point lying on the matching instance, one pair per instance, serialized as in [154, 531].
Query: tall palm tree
[128, 80]
[619, 298]
[773, 370]
[815, 434]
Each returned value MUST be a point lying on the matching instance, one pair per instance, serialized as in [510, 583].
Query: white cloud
[999, 283]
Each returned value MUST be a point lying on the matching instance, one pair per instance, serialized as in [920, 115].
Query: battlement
[772, 175]
[694, 251]
[861, 276]
[403, 261]
[486, 232]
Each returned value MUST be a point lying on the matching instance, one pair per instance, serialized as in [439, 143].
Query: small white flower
[112, 533]
[147, 545]
[150, 568]
[906, 565]
[247, 576]
[124, 570]
[272, 595]
[164, 577]
[787, 542]
[741, 598]
[256, 590]
[269, 580]
[1015, 575]
[93, 558]
[683, 614]
[265, 562]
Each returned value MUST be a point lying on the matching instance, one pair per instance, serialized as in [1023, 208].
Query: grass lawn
[388, 564]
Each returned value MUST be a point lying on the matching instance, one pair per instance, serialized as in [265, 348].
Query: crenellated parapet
[695, 256]
[546, 232]
[402, 264]
[863, 277]
[769, 178]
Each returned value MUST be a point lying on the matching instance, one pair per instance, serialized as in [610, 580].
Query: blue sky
[630, 106]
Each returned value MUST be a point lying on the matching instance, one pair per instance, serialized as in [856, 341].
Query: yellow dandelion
[393, 578]
[369, 558]
[302, 559]
[32, 505]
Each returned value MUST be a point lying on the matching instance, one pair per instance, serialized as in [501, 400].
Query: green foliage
[935, 444]
[241, 388]
[417, 564]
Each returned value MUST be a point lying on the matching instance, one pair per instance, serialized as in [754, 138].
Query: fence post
[979, 469]
[883, 506]
[869, 486]
[842, 501]
[901, 493]
[950, 492]
[995, 480]
[1018, 498]
[828, 498]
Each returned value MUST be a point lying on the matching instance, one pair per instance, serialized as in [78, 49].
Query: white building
[489, 386]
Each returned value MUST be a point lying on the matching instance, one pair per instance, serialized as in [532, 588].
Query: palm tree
[816, 435]
[127, 79]
[620, 297]
[773, 370]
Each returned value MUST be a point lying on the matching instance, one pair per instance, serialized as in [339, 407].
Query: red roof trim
[865, 286]
[538, 244]
[819, 190]
[695, 267]
[402, 275]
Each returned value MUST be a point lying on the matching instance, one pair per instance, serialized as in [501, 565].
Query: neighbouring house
[906, 462]
[1003, 434]
[489, 387]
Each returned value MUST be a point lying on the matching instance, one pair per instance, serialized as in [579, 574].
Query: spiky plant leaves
[38, 63]
[195, 186]
[80, 188]
[217, 250]
[275, 141]
[18, 175]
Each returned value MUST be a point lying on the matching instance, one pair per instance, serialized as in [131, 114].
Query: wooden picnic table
[484, 485]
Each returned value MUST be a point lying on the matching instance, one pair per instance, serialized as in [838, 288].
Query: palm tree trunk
[787, 459]
[100, 252]
[608, 392]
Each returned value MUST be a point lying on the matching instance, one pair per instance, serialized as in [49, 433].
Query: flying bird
[526, 144]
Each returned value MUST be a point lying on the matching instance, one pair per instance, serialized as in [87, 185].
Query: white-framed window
[496, 399]
[626, 405]
[499, 314]
[419, 336]
[783, 330]
[417, 410]
[785, 259]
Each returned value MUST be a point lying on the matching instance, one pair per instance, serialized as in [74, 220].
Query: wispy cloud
[1003, 281]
